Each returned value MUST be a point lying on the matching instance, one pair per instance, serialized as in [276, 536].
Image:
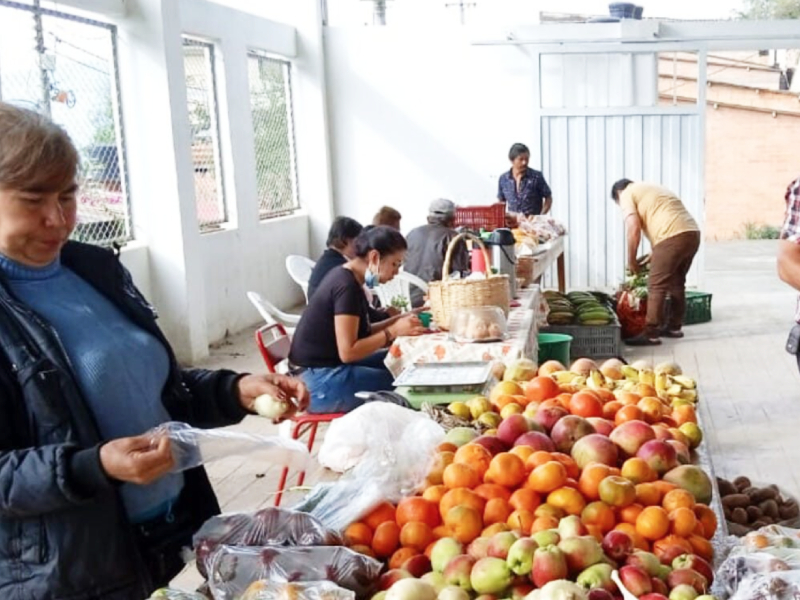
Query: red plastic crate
[488, 218]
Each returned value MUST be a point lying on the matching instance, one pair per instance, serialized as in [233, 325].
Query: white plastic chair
[271, 313]
[400, 286]
[299, 268]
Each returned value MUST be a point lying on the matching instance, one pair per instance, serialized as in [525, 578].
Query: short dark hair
[343, 229]
[518, 150]
[618, 187]
[386, 216]
[386, 240]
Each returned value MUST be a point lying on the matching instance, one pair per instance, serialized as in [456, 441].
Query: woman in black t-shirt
[335, 342]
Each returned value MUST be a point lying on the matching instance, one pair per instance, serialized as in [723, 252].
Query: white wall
[420, 114]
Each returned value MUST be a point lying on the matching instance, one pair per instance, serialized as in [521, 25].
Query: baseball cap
[441, 206]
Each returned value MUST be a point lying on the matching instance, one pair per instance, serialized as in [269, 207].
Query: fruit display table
[440, 347]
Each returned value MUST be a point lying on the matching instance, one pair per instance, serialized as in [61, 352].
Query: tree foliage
[771, 9]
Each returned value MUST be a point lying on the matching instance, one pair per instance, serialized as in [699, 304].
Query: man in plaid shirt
[789, 246]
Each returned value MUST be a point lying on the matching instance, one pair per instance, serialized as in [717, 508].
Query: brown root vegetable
[726, 512]
[770, 509]
[739, 515]
[789, 510]
[753, 513]
[762, 494]
[726, 488]
[736, 501]
[762, 522]
[737, 529]
[742, 483]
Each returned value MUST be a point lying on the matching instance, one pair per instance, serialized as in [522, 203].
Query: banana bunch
[561, 310]
[584, 308]
[668, 387]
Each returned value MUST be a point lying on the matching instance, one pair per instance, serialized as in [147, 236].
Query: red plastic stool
[302, 424]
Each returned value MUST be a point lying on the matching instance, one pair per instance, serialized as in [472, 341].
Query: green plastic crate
[698, 308]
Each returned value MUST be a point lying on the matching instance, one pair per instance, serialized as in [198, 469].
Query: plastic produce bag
[234, 569]
[779, 585]
[266, 527]
[172, 594]
[393, 448]
[192, 447]
[312, 590]
[739, 566]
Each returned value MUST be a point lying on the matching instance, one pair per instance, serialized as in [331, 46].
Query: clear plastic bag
[396, 447]
[312, 590]
[772, 536]
[266, 527]
[173, 594]
[234, 569]
[192, 447]
[740, 565]
[779, 585]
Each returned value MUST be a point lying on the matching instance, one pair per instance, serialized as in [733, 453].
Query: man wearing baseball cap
[428, 244]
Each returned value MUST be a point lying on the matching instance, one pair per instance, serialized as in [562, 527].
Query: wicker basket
[450, 294]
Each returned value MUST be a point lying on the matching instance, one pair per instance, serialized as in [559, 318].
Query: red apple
[457, 572]
[595, 448]
[697, 563]
[688, 577]
[479, 547]
[635, 580]
[568, 430]
[549, 564]
[659, 586]
[646, 561]
[500, 543]
[391, 577]
[669, 553]
[654, 596]
[659, 455]
[536, 440]
[581, 552]
[617, 545]
[632, 435]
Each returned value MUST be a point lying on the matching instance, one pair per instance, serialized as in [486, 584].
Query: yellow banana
[674, 390]
[685, 382]
[662, 383]
[630, 373]
[579, 381]
[563, 376]
[596, 380]
[688, 395]
[647, 376]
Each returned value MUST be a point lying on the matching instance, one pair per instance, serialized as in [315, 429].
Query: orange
[474, 455]
[542, 523]
[541, 388]
[599, 514]
[525, 499]
[460, 475]
[415, 534]
[677, 498]
[596, 532]
[631, 412]
[487, 491]
[627, 398]
[647, 494]
[495, 528]
[573, 470]
[400, 556]
[564, 398]
[380, 514]
[505, 388]
[629, 514]
[524, 452]
[440, 462]
[652, 408]
[638, 471]
[653, 523]
[664, 486]
[358, 534]
[506, 469]
[497, 511]
[460, 496]
[548, 510]
[521, 520]
[684, 413]
[434, 493]
[464, 523]
[504, 400]
[440, 531]
[537, 458]
[637, 539]
[605, 395]
[590, 479]
[708, 518]
[702, 547]
[644, 389]
[386, 539]
[682, 521]
[522, 400]
[665, 545]
[610, 409]
[365, 550]
[417, 508]
[446, 447]
[547, 477]
[568, 499]
[585, 405]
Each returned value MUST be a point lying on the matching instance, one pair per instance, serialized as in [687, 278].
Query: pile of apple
[582, 489]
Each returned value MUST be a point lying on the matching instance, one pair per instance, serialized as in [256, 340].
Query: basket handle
[451, 247]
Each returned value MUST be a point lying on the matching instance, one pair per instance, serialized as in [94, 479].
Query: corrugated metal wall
[582, 156]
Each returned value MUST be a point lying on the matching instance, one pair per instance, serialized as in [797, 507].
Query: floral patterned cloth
[440, 347]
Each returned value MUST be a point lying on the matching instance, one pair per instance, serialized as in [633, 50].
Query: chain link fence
[201, 94]
[66, 67]
[273, 132]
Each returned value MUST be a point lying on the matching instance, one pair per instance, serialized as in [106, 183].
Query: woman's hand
[281, 387]
[139, 459]
[407, 325]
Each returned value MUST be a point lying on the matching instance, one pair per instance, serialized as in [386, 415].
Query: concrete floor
[749, 386]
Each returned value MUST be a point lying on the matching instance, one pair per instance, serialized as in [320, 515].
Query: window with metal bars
[201, 95]
[273, 133]
[66, 67]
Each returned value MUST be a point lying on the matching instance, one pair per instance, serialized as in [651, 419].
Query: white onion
[270, 407]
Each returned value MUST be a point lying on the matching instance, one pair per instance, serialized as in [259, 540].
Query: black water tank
[622, 10]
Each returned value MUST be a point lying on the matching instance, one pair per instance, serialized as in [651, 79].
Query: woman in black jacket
[89, 507]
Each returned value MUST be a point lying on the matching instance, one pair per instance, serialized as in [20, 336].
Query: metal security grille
[65, 66]
[273, 131]
[201, 94]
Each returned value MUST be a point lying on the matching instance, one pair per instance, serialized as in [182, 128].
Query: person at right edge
[789, 258]
[675, 239]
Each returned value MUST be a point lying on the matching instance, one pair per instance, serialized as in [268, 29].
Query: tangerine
[708, 518]
[537, 458]
[460, 496]
[591, 476]
[647, 494]
[638, 470]
[610, 409]
[638, 541]
[684, 413]
[416, 534]
[521, 520]
[434, 493]
[446, 447]
[541, 388]
[547, 477]
[524, 452]
[506, 469]
[573, 470]
[630, 412]
[678, 498]
[629, 514]
[653, 523]
[380, 514]
[665, 547]
[497, 511]
[543, 523]
[400, 556]
[495, 528]
[487, 491]
[599, 514]
[474, 455]
[525, 499]
[702, 547]
[585, 405]
[386, 539]
[682, 522]
[417, 508]
[567, 499]
[460, 475]
[358, 534]
[627, 398]
[464, 523]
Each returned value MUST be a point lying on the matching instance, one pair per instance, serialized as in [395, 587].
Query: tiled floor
[749, 386]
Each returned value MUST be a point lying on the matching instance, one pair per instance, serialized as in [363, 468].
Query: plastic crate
[590, 341]
[476, 218]
[698, 308]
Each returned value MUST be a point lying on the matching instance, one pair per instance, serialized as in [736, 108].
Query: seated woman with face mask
[335, 343]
